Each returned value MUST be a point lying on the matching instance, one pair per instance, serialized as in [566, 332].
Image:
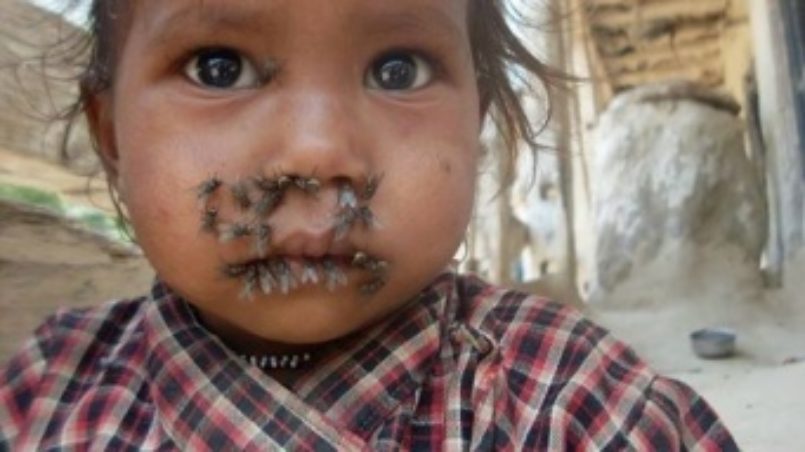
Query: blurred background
[668, 196]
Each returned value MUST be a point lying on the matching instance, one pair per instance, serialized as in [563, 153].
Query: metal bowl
[713, 343]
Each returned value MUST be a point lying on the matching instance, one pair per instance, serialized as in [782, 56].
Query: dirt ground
[47, 263]
[759, 392]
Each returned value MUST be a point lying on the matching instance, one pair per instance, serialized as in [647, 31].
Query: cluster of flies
[256, 199]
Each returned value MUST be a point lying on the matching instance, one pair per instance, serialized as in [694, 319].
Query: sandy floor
[759, 393]
[762, 405]
[45, 263]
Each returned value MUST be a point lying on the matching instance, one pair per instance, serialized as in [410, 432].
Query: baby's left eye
[399, 71]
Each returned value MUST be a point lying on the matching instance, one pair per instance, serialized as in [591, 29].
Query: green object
[91, 218]
[31, 196]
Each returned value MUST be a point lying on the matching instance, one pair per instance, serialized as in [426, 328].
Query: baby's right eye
[221, 68]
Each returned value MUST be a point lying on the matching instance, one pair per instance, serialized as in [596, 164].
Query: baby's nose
[321, 136]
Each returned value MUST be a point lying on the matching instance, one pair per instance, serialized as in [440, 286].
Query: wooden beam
[665, 11]
[684, 33]
[709, 75]
[603, 4]
[668, 57]
[602, 82]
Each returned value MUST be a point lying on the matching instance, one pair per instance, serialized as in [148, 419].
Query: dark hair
[498, 53]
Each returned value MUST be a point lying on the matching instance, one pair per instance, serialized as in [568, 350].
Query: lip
[300, 247]
[305, 240]
[342, 256]
[286, 273]
[297, 262]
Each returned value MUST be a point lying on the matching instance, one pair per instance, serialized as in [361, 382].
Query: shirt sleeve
[677, 418]
[20, 381]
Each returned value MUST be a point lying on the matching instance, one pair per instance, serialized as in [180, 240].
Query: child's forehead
[447, 16]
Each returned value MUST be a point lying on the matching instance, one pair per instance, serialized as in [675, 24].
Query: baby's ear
[99, 111]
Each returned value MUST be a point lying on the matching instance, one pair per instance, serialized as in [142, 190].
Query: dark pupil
[219, 68]
[396, 72]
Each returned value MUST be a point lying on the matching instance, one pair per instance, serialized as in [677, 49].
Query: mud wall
[678, 205]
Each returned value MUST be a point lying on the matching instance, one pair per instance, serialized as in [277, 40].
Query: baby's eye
[399, 71]
[221, 68]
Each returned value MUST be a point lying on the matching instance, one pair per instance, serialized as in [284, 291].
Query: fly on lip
[282, 274]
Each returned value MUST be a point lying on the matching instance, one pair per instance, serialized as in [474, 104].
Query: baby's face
[351, 126]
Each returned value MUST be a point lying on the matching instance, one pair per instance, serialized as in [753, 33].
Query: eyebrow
[427, 19]
[224, 16]
[174, 22]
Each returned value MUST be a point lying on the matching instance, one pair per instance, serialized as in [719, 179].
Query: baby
[300, 173]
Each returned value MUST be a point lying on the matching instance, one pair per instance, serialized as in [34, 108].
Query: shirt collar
[206, 396]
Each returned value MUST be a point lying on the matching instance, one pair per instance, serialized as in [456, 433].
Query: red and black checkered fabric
[464, 366]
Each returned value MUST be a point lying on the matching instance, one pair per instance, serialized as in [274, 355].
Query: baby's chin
[306, 315]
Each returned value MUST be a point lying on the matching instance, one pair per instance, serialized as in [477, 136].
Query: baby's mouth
[299, 254]
[285, 273]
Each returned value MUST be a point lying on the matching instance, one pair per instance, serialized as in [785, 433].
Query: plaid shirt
[468, 366]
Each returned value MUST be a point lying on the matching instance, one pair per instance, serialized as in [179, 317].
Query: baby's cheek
[163, 219]
[449, 209]
[462, 180]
